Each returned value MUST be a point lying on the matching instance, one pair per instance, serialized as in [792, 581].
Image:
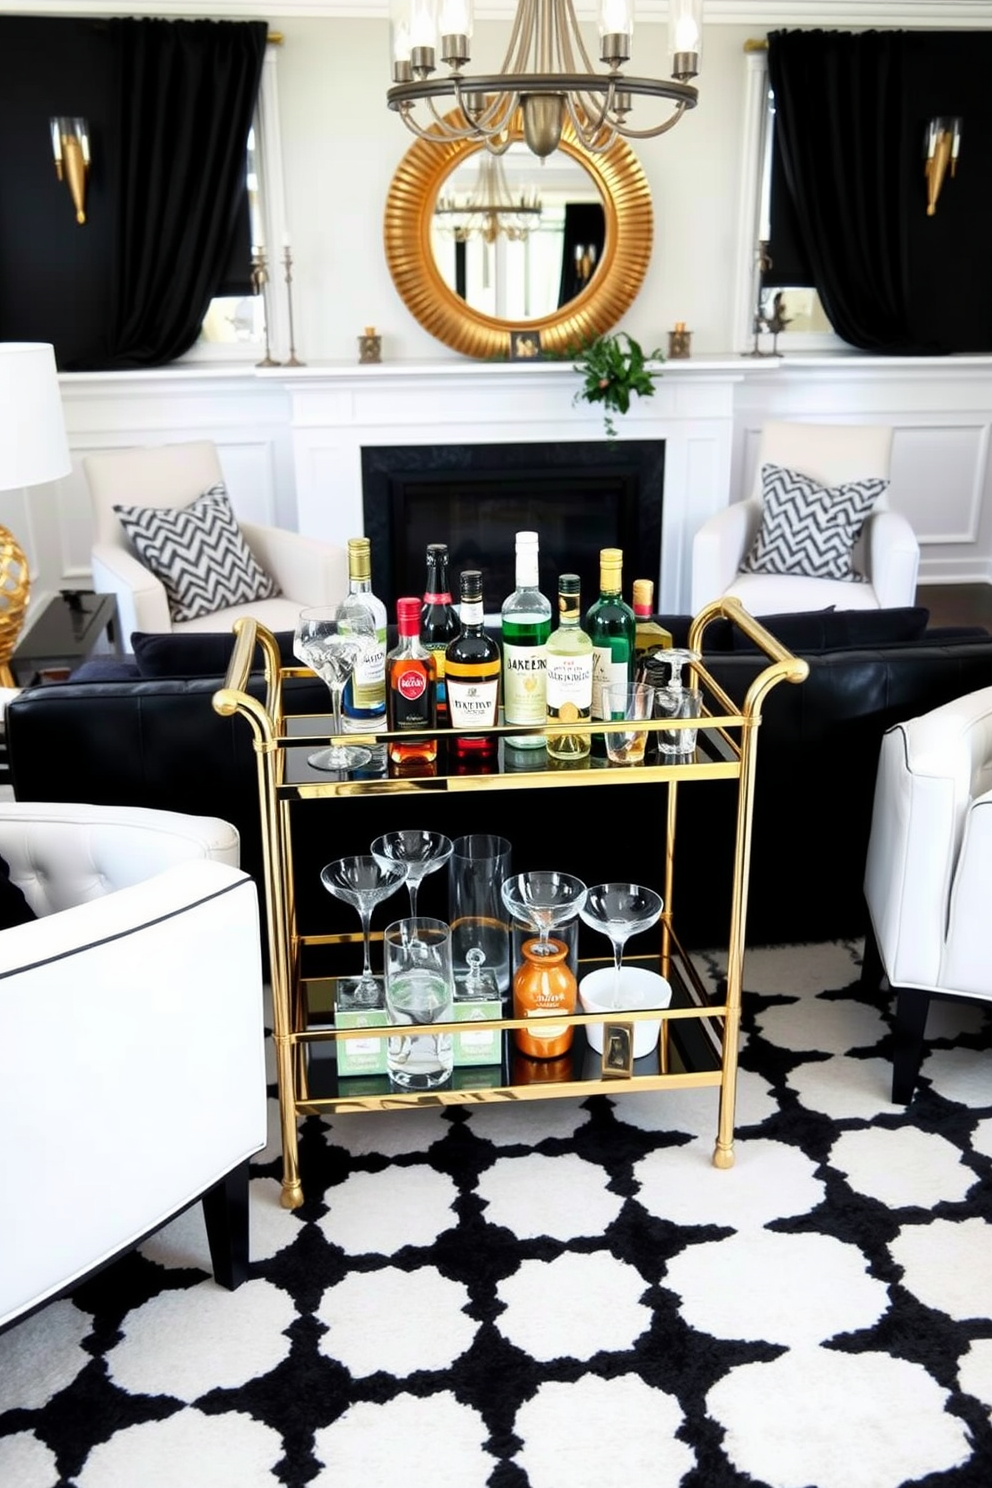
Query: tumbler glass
[419, 989]
[480, 922]
[629, 702]
[686, 702]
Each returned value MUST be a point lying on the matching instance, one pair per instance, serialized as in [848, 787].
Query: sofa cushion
[809, 529]
[198, 553]
[837, 630]
[203, 653]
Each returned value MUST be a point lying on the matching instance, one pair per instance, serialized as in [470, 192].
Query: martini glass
[330, 640]
[418, 853]
[544, 900]
[363, 883]
[618, 911]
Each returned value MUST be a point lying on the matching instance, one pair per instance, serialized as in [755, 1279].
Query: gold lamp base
[15, 587]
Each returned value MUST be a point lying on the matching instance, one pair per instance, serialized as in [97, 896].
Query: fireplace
[578, 496]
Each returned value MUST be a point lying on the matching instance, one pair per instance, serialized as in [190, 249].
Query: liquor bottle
[610, 623]
[438, 620]
[649, 636]
[525, 626]
[569, 675]
[410, 692]
[363, 706]
[471, 670]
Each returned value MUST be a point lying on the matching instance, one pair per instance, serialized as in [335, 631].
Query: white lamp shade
[33, 445]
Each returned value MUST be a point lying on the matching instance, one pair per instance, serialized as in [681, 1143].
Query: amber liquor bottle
[410, 692]
[472, 670]
[438, 620]
[649, 636]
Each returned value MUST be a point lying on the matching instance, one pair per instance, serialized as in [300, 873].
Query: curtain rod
[756, 44]
[274, 38]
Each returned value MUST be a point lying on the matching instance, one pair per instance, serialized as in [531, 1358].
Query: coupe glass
[418, 853]
[618, 911]
[330, 640]
[544, 900]
[363, 883]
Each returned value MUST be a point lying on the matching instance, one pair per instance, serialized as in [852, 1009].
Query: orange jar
[544, 985]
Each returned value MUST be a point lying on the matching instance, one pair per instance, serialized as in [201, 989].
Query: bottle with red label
[410, 690]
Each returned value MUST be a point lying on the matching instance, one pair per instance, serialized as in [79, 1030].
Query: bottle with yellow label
[649, 636]
[472, 671]
[363, 706]
[568, 675]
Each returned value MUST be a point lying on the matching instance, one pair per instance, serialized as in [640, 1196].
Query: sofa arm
[966, 949]
[141, 599]
[718, 549]
[893, 559]
[61, 855]
[132, 1073]
[313, 572]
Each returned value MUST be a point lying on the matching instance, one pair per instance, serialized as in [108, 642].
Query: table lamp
[33, 449]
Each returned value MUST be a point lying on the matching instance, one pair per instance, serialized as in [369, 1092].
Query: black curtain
[585, 227]
[851, 114]
[188, 91]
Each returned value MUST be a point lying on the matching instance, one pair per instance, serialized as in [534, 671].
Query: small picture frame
[618, 1051]
[525, 346]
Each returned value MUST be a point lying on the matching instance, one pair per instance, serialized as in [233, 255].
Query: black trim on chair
[912, 1007]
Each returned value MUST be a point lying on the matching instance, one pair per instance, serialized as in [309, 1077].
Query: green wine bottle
[611, 627]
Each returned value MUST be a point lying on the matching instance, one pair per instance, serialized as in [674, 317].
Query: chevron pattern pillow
[198, 553]
[810, 529]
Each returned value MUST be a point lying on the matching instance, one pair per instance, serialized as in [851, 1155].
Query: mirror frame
[626, 198]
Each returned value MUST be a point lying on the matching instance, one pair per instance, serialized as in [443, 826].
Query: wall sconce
[585, 262]
[71, 148]
[943, 143]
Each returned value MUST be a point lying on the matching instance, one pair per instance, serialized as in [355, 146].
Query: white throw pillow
[199, 553]
[810, 529]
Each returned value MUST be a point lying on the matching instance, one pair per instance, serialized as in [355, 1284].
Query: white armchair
[132, 1077]
[929, 868]
[307, 571]
[887, 552]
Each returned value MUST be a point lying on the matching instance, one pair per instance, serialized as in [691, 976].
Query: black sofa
[157, 741]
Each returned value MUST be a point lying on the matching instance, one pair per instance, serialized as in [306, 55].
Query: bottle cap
[359, 558]
[644, 595]
[408, 615]
[437, 550]
[568, 583]
[526, 540]
[470, 584]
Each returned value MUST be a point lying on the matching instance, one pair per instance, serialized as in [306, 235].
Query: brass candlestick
[259, 279]
[292, 360]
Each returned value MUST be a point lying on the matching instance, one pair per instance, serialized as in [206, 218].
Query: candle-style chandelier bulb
[71, 149]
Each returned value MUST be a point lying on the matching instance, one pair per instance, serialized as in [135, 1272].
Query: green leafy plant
[613, 368]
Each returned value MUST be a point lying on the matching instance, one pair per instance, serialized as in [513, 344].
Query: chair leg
[912, 1007]
[225, 1210]
[872, 970]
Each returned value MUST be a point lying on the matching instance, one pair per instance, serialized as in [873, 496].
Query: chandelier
[490, 210]
[546, 73]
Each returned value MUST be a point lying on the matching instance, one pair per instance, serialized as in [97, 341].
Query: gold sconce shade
[71, 148]
[942, 144]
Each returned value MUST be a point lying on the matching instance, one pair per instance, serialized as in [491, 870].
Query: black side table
[64, 633]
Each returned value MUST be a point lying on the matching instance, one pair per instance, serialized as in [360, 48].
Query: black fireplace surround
[579, 497]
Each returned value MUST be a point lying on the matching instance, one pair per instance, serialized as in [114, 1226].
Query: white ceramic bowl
[639, 989]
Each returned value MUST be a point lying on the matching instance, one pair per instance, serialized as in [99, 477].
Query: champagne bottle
[363, 706]
[410, 691]
[525, 627]
[569, 675]
[438, 620]
[649, 636]
[472, 670]
[611, 627]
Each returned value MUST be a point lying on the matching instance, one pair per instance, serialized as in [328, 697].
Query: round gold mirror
[433, 173]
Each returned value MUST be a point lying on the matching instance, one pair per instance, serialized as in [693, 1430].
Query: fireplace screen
[577, 497]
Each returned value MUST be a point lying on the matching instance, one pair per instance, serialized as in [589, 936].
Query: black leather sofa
[157, 741]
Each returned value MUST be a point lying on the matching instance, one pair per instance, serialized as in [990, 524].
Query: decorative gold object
[33, 450]
[679, 342]
[370, 346]
[259, 281]
[629, 224]
[943, 145]
[284, 784]
[71, 149]
[546, 74]
[287, 258]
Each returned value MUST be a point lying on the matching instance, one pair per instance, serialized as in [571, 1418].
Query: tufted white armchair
[132, 1078]
[308, 572]
[887, 551]
[929, 869]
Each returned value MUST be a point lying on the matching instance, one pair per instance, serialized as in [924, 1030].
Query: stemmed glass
[544, 900]
[677, 657]
[331, 640]
[618, 911]
[418, 853]
[363, 883]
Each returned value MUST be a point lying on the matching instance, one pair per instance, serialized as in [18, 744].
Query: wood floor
[957, 604]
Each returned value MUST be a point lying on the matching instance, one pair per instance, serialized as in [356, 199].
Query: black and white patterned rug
[566, 1294]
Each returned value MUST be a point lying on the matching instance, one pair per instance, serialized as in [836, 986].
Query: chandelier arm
[653, 133]
[569, 32]
[490, 121]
